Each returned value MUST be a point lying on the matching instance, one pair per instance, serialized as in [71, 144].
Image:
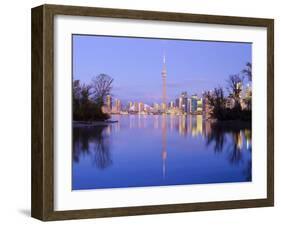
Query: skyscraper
[130, 105]
[136, 109]
[184, 105]
[199, 105]
[172, 104]
[109, 102]
[193, 104]
[248, 97]
[177, 103]
[164, 75]
[141, 107]
[180, 103]
[117, 106]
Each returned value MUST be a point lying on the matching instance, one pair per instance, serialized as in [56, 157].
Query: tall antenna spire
[164, 92]
[164, 71]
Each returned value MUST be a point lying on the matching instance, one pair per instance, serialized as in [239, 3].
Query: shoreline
[236, 124]
[92, 123]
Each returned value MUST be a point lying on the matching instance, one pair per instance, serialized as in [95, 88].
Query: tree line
[217, 101]
[88, 99]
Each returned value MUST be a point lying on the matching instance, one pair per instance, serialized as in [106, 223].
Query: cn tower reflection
[164, 144]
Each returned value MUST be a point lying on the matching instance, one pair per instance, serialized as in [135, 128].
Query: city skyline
[146, 86]
[145, 106]
[182, 105]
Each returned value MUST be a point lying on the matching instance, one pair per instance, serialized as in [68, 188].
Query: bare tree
[76, 89]
[76, 96]
[102, 86]
[235, 83]
[216, 101]
[248, 71]
[85, 93]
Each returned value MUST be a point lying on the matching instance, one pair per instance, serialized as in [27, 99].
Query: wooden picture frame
[42, 205]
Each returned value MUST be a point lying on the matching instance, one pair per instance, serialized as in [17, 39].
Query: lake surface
[159, 150]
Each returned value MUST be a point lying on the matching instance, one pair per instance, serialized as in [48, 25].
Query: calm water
[146, 150]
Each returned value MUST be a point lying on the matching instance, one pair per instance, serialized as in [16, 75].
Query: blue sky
[135, 64]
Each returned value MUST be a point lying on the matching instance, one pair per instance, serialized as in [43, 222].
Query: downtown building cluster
[181, 105]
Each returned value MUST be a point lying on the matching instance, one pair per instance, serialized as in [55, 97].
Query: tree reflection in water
[248, 170]
[94, 142]
[236, 146]
[216, 136]
[238, 133]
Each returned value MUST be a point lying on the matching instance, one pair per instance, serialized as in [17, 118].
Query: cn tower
[164, 75]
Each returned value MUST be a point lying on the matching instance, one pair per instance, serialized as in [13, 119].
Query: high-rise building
[180, 103]
[199, 105]
[188, 105]
[248, 97]
[164, 75]
[136, 106]
[109, 103]
[193, 104]
[163, 107]
[141, 107]
[130, 105]
[155, 107]
[147, 108]
[177, 103]
[117, 105]
[172, 104]
[248, 93]
[184, 104]
[239, 86]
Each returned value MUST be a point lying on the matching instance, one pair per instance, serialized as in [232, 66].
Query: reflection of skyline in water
[193, 125]
[99, 142]
[182, 124]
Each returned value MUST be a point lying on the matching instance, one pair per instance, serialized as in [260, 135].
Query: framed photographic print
[141, 112]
